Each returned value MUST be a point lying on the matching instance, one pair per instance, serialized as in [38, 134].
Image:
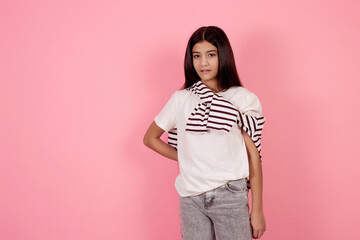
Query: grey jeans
[221, 213]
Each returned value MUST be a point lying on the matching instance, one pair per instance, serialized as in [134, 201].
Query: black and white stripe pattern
[252, 126]
[215, 112]
[172, 137]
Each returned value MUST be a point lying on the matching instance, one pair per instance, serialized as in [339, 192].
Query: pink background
[81, 81]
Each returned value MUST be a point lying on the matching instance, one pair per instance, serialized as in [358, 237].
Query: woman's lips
[205, 71]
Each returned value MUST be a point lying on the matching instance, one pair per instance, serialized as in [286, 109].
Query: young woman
[214, 129]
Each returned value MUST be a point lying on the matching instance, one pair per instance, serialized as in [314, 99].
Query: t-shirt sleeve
[166, 119]
[251, 105]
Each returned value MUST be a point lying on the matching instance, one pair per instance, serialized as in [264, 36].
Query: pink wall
[73, 165]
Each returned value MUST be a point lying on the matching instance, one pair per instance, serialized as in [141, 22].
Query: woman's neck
[212, 84]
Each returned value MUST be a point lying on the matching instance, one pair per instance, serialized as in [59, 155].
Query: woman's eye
[211, 54]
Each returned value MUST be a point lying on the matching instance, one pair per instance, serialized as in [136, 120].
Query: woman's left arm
[256, 181]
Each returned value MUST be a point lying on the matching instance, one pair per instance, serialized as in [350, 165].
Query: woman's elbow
[154, 132]
[146, 140]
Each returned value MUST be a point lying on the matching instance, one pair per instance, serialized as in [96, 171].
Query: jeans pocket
[236, 186]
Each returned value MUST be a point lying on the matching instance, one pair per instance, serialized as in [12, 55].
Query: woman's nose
[204, 62]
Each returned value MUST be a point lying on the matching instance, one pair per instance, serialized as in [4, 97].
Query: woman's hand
[257, 223]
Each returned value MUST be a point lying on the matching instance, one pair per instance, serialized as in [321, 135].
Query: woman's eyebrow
[206, 51]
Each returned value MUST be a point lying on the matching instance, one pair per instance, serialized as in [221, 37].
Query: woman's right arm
[153, 141]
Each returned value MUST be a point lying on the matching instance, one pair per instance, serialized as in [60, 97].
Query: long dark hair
[227, 74]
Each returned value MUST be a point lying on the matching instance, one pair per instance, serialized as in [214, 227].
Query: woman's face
[205, 60]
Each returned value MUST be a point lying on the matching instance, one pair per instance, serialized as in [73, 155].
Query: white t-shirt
[209, 160]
